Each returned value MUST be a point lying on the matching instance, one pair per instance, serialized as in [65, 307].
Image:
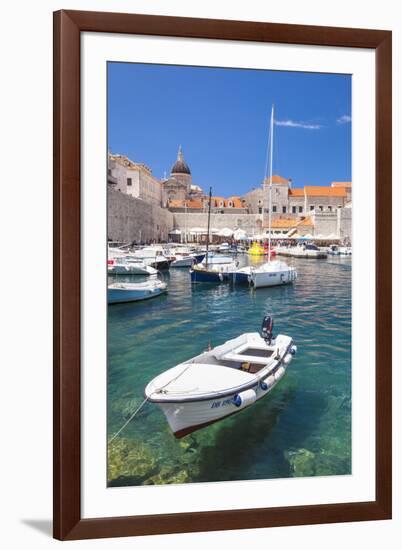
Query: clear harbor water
[301, 428]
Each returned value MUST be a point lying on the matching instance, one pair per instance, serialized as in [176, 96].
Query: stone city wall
[131, 219]
[248, 222]
[346, 224]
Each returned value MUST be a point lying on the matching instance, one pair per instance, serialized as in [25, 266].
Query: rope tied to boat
[137, 410]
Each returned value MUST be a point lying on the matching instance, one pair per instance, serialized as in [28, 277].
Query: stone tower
[178, 185]
[181, 171]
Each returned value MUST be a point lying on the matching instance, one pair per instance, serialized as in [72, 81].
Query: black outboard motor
[267, 328]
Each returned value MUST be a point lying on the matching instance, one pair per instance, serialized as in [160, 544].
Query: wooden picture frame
[68, 26]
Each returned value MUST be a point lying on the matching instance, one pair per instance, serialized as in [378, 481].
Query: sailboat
[210, 271]
[273, 272]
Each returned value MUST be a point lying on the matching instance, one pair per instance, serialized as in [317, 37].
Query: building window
[311, 206]
[284, 209]
[339, 206]
[293, 209]
[274, 208]
[329, 208]
[321, 208]
[129, 181]
[300, 209]
[260, 210]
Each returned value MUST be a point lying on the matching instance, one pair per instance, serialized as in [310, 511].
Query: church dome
[180, 166]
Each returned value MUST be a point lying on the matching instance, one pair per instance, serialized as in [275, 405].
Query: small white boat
[345, 250]
[182, 261]
[153, 256]
[272, 273]
[222, 381]
[304, 250]
[333, 250]
[118, 293]
[129, 266]
[217, 259]
[224, 247]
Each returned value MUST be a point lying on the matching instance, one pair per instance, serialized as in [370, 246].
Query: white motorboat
[345, 250]
[302, 250]
[153, 256]
[272, 273]
[217, 259]
[222, 381]
[129, 266]
[118, 293]
[182, 261]
[224, 247]
[333, 250]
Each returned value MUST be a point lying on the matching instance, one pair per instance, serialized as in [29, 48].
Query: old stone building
[134, 179]
[313, 210]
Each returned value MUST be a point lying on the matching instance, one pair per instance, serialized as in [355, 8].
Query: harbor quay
[143, 208]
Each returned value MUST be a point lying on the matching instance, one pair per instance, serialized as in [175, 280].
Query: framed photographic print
[222, 327]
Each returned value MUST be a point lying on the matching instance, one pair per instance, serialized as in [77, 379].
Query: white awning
[225, 232]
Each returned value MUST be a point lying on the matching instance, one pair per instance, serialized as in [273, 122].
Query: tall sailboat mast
[209, 219]
[270, 182]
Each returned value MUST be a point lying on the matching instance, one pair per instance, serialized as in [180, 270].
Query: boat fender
[244, 398]
[293, 350]
[279, 373]
[263, 385]
[287, 359]
[220, 277]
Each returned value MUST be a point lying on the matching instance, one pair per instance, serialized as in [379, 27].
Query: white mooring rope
[129, 420]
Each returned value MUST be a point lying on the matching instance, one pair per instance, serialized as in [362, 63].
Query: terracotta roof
[345, 184]
[194, 203]
[179, 203]
[307, 222]
[299, 192]
[288, 223]
[323, 191]
[237, 202]
[176, 203]
[277, 179]
[283, 223]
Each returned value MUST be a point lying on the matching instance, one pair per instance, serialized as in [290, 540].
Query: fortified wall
[132, 219]
[250, 223]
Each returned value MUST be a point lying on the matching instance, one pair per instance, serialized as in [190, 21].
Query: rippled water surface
[301, 428]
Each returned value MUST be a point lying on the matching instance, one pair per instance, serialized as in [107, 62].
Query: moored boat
[273, 273]
[132, 292]
[129, 266]
[153, 256]
[308, 250]
[222, 381]
[212, 273]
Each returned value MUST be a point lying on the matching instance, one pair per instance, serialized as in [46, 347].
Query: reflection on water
[302, 428]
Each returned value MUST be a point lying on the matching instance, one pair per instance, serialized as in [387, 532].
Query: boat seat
[245, 358]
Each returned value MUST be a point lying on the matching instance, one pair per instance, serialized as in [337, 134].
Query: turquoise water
[301, 428]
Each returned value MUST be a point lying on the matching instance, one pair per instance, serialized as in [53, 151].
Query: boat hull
[200, 276]
[261, 279]
[131, 270]
[183, 262]
[188, 417]
[120, 296]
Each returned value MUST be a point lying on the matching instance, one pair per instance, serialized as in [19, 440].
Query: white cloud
[344, 119]
[295, 124]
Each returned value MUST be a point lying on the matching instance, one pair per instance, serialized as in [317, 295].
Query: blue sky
[221, 119]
